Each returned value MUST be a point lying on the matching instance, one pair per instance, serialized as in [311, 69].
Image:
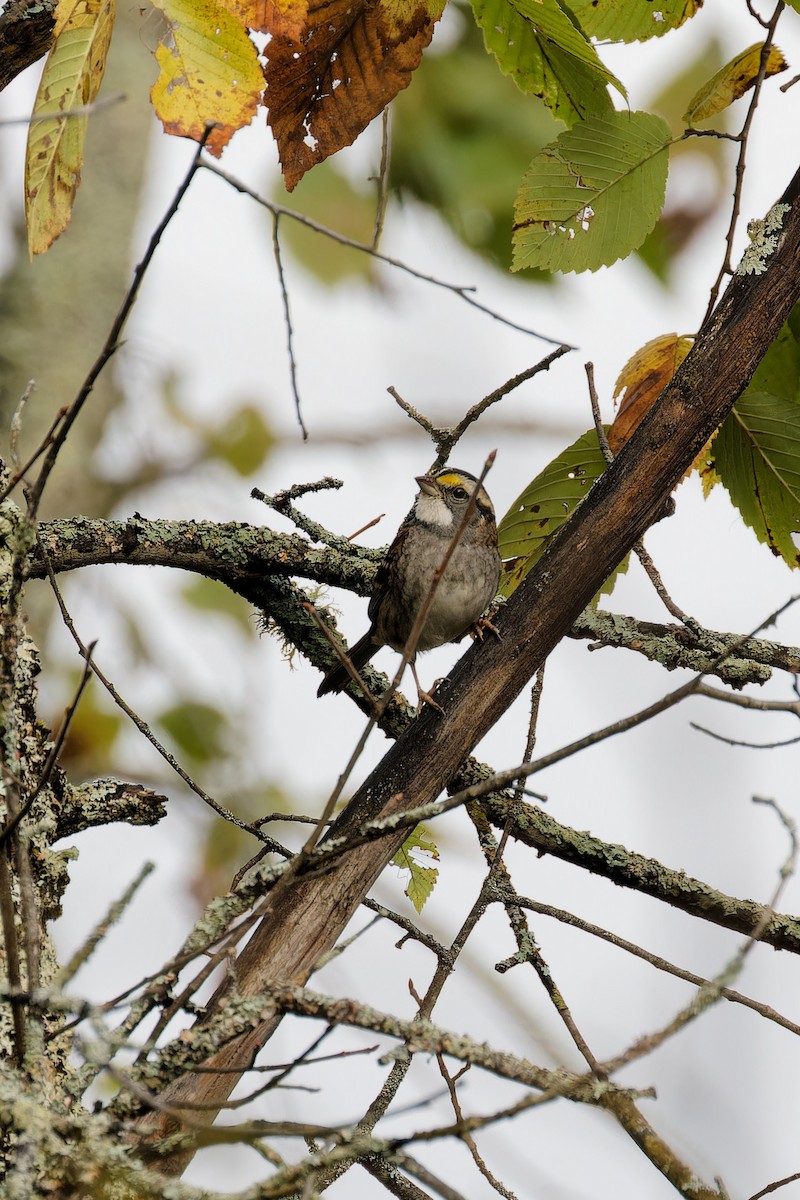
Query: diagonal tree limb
[301, 921]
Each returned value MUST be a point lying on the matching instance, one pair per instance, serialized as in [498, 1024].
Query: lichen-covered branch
[107, 802]
[241, 556]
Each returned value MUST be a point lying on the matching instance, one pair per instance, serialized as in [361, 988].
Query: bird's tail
[338, 677]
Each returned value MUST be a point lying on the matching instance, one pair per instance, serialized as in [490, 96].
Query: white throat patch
[432, 510]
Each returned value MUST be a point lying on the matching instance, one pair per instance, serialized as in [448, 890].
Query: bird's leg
[476, 630]
[423, 697]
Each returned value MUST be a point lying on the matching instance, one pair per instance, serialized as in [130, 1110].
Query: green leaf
[549, 19]
[731, 82]
[631, 20]
[92, 735]
[462, 150]
[593, 195]
[330, 198]
[243, 441]
[546, 503]
[423, 878]
[208, 595]
[779, 370]
[546, 56]
[686, 213]
[196, 729]
[757, 457]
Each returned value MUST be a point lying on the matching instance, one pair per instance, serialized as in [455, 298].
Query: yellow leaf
[423, 878]
[210, 72]
[71, 79]
[348, 60]
[705, 467]
[731, 82]
[642, 380]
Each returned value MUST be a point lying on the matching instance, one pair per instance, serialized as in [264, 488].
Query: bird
[405, 576]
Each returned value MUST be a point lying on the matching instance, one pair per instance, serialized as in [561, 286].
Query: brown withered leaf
[351, 59]
[642, 380]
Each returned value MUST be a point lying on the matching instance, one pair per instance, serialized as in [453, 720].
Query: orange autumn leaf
[351, 58]
[210, 73]
[270, 16]
[642, 380]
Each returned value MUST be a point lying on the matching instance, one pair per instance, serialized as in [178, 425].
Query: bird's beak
[427, 485]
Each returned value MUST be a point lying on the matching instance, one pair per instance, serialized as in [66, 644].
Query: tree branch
[26, 31]
[240, 556]
[303, 920]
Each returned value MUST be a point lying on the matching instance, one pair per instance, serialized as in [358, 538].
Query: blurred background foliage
[461, 136]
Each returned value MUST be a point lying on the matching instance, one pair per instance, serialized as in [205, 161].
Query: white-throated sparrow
[405, 576]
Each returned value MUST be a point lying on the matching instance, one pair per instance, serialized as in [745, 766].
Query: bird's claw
[482, 624]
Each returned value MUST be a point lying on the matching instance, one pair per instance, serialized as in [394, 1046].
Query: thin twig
[287, 319]
[46, 441]
[655, 960]
[463, 292]
[47, 771]
[773, 1187]
[445, 439]
[140, 724]
[112, 342]
[382, 180]
[530, 741]
[16, 425]
[742, 138]
[638, 548]
[467, 1138]
[112, 916]
[81, 110]
[711, 994]
[729, 741]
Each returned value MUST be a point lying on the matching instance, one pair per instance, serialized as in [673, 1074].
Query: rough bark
[26, 31]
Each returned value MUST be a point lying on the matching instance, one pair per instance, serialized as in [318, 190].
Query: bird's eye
[460, 493]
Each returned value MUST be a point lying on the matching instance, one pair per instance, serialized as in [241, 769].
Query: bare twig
[445, 439]
[81, 110]
[113, 915]
[711, 993]
[141, 725]
[463, 292]
[742, 138]
[773, 1187]
[52, 758]
[382, 179]
[639, 549]
[287, 319]
[46, 441]
[530, 741]
[112, 342]
[655, 960]
[16, 425]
